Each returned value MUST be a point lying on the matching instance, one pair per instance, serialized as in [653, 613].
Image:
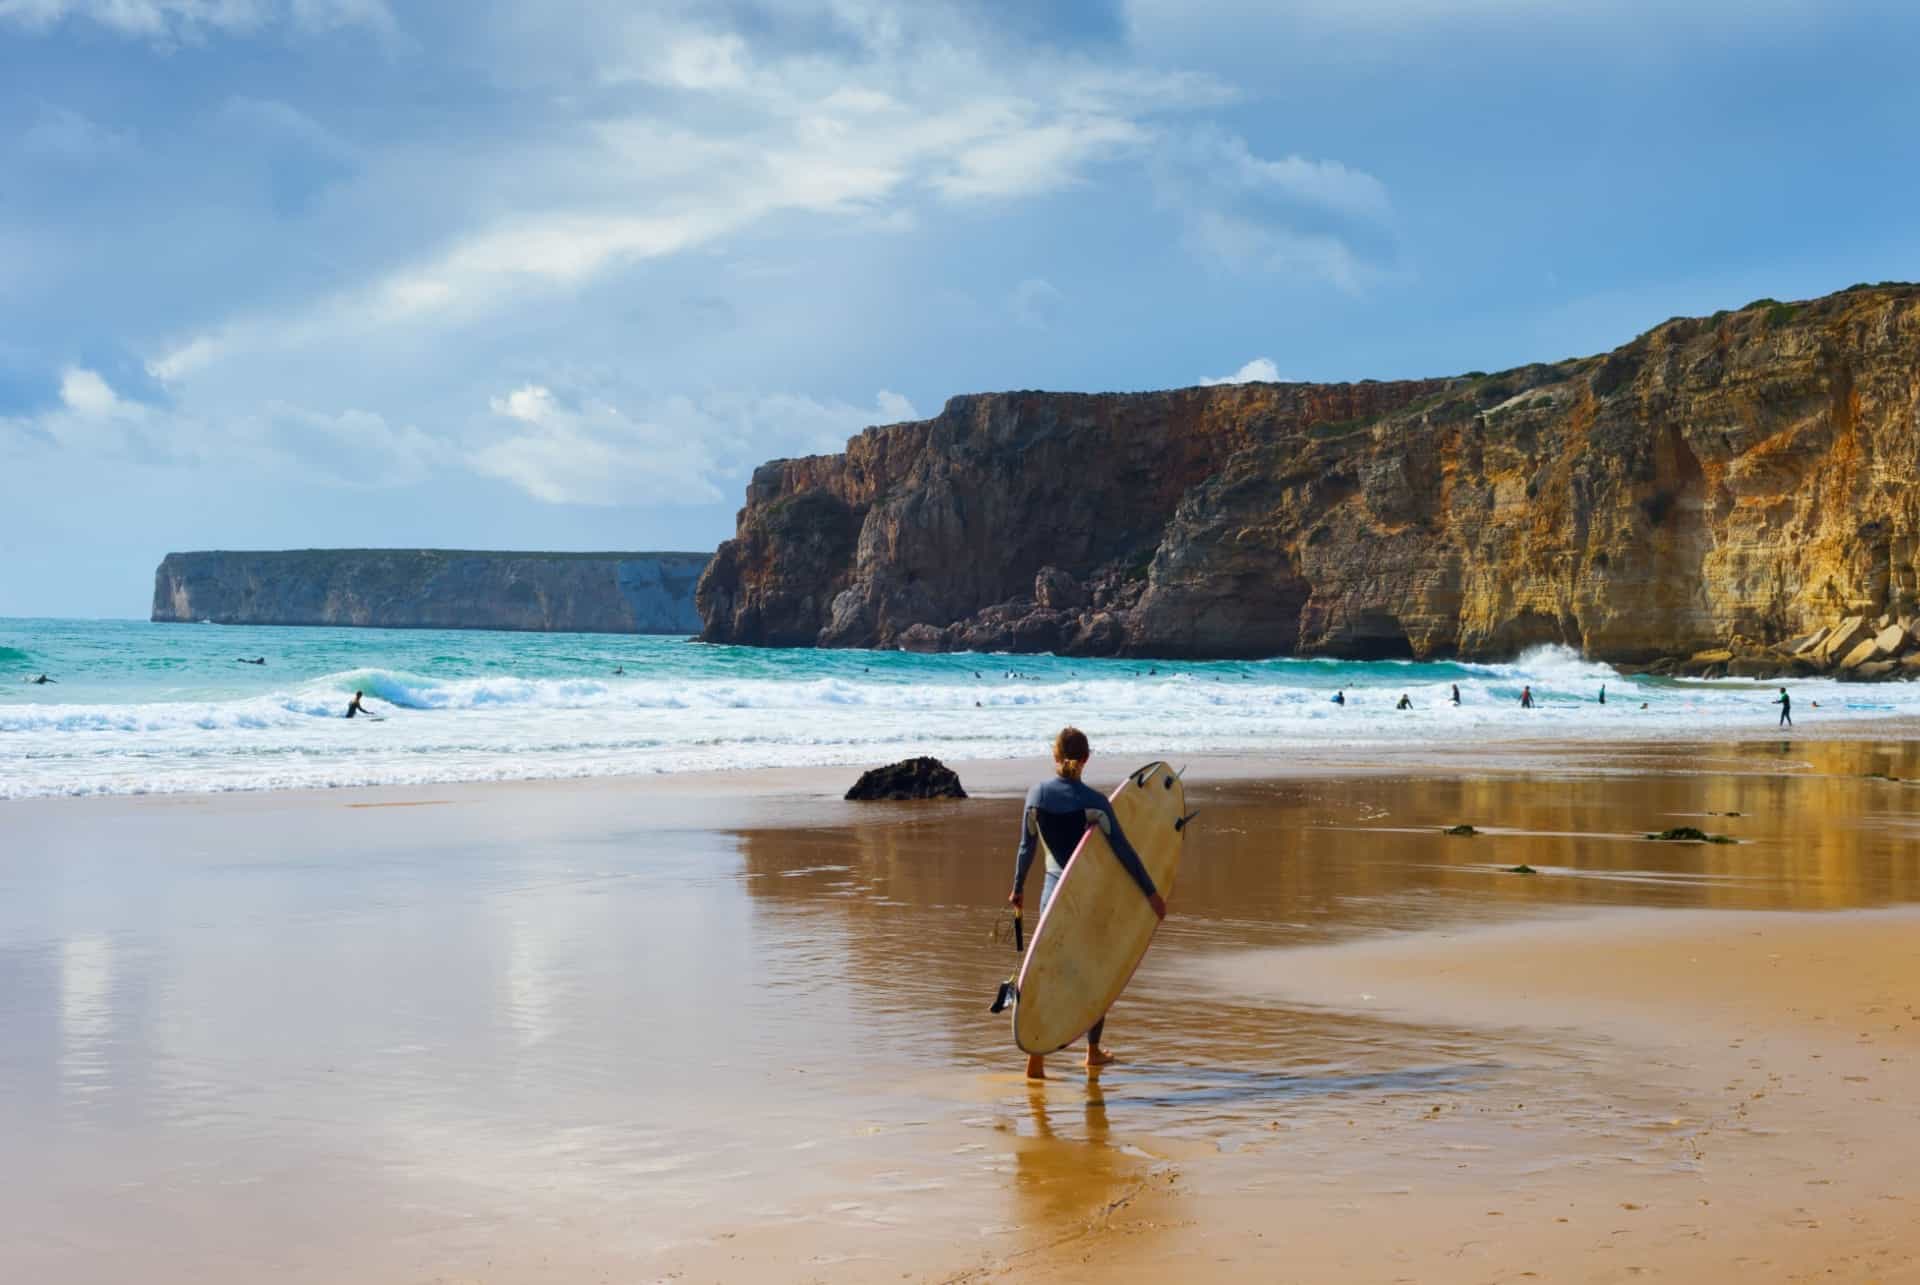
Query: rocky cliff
[648, 593]
[1747, 476]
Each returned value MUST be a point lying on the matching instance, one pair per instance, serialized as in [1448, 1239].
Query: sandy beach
[728, 1027]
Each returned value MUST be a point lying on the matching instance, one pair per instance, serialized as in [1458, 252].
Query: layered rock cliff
[644, 593]
[1748, 475]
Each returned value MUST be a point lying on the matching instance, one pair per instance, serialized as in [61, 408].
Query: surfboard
[1097, 927]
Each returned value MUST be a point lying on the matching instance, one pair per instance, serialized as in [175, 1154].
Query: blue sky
[287, 273]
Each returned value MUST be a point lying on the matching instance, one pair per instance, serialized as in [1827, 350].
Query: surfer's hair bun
[1070, 750]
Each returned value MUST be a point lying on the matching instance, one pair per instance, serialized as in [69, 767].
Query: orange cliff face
[1746, 477]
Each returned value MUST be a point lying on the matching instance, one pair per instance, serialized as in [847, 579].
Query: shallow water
[141, 708]
[546, 1028]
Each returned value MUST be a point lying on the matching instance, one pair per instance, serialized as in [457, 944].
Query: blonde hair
[1071, 752]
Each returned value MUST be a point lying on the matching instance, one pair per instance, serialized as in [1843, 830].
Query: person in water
[355, 707]
[1058, 814]
[1786, 708]
[244, 661]
[1456, 693]
[1404, 702]
[1603, 693]
[1526, 697]
[1339, 698]
[42, 681]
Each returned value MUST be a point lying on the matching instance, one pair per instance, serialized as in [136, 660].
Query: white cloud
[355, 448]
[86, 394]
[1327, 185]
[165, 21]
[753, 134]
[1036, 303]
[1029, 158]
[65, 134]
[1260, 370]
[1294, 217]
[677, 452]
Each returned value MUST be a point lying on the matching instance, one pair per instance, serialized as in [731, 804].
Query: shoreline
[819, 782]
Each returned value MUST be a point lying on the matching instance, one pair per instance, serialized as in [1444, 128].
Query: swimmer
[1340, 698]
[42, 681]
[1404, 702]
[1526, 697]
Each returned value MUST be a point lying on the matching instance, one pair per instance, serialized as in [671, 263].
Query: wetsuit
[1786, 710]
[1057, 814]
[355, 707]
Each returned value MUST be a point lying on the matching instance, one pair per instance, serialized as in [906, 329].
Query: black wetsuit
[1058, 814]
[355, 707]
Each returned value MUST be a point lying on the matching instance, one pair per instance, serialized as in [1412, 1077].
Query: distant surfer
[1339, 698]
[1058, 813]
[1603, 693]
[1456, 693]
[1786, 708]
[1404, 702]
[619, 669]
[1526, 697]
[42, 681]
[355, 707]
[244, 661]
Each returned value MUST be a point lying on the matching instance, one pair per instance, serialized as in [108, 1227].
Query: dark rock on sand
[921, 778]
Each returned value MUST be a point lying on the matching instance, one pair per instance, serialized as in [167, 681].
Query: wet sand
[715, 1029]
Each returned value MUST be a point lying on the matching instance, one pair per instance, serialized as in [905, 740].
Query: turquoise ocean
[148, 708]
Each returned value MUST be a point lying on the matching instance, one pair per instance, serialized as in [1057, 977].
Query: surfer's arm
[1103, 817]
[1029, 839]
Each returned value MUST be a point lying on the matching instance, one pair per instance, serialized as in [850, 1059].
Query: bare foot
[1098, 1056]
[1036, 1067]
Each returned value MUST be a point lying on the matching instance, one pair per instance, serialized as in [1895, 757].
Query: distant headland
[643, 593]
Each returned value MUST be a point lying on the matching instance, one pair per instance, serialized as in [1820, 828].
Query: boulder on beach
[1891, 641]
[918, 778]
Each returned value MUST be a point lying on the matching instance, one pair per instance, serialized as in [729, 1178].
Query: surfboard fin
[1181, 824]
[1181, 774]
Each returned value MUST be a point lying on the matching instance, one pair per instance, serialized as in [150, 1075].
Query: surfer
[1058, 812]
[1339, 698]
[619, 669]
[1526, 697]
[1404, 702]
[1786, 708]
[244, 661]
[355, 707]
[1603, 693]
[1456, 693]
[42, 681]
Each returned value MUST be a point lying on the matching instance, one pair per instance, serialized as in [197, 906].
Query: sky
[558, 274]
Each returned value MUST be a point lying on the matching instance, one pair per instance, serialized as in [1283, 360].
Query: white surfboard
[1097, 927]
